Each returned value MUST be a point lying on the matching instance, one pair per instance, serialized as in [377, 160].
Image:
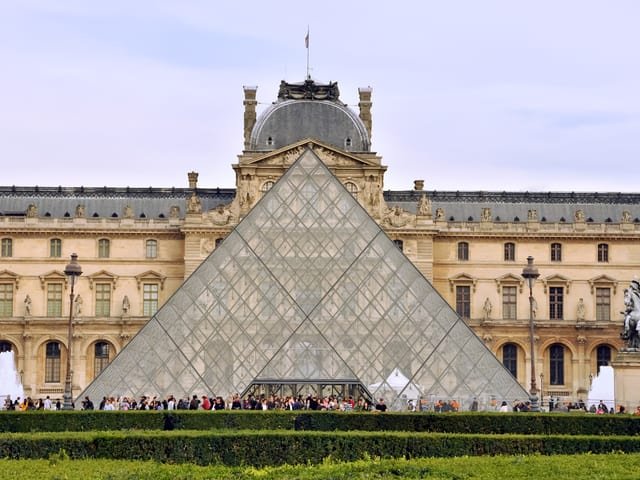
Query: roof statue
[307, 290]
[308, 90]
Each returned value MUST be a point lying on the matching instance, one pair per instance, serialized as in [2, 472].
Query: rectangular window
[463, 251]
[603, 304]
[556, 300]
[7, 247]
[103, 248]
[52, 363]
[54, 299]
[55, 248]
[6, 299]
[103, 299]
[152, 248]
[509, 252]
[603, 252]
[509, 306]
[556, 252]
[149, 299]
[463, 301]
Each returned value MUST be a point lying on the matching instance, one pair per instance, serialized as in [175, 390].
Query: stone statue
[486, 215]
[396, 217]
[78, 305]
[579, 216]
[631, 331]
[486, 310]
[534, 307]
[27, 306]
[532, 215]
[439, 214]
[580, 311]
[32, 211]
[194, 205]
[79, 211]
[125, 305]
[424, 206]
[221, 215]
[174, 211]
[626, 216]
[127, 212]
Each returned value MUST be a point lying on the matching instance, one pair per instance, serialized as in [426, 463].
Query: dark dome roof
[289, 121]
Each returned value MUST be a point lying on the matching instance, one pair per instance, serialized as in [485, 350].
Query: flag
[306, 39]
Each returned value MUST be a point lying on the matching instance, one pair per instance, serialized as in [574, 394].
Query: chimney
[365, 108]
[193, 180]
[249, 113]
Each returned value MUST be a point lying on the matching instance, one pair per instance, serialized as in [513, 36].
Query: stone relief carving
[439, 213]
[221, 215]
[80, 211]
[127, 212]
[174, 211]
[32, 211]
[580, 311]
[626, 216]
[486, 215]
[397, 217]
[579, 216]
[424, 206]
[206, 246]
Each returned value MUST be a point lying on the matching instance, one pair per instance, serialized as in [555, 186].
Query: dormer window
[347, 142]
[269, 141]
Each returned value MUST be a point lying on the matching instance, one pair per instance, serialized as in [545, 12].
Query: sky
[494, 95]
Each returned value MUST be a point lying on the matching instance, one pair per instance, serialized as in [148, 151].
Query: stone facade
[136, 246]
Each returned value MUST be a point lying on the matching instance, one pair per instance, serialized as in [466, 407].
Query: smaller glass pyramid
[308, 290]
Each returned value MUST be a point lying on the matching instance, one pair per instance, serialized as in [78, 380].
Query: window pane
[103, 299]
[152, 248]
[463, 251]
[103, 248]
[55, 247]
[556, 364]
[556, 303]
[603, 304]
[556, 252]
[603, 252]
[603, 356]
[510, 358]
[6, 299]
[509, 306]
[149, 299]
[54, 299]
[7, 247]
[101, 357]
[52, 363]
[463, 301]
[509, 252]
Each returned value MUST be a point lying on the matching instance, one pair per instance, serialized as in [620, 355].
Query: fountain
[10, 384]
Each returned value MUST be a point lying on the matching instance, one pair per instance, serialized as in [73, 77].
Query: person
[381, 406]
[474, 405]
[87, 404]
[504, 407]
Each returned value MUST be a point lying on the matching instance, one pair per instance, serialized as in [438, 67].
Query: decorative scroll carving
[308, 90]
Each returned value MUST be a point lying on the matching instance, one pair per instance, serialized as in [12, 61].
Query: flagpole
[306, 43]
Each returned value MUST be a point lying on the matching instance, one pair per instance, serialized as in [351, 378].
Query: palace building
[137, 246]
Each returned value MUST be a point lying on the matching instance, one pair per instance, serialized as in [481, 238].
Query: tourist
[381, 406]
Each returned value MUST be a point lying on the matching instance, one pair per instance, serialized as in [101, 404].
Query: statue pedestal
[626, 374]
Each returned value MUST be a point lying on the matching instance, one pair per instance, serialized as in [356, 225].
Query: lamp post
[72, 270]
[530, 274]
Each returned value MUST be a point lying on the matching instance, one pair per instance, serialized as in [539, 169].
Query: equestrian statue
[631, 332]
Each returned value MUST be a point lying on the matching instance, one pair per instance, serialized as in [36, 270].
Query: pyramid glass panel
[308, 290]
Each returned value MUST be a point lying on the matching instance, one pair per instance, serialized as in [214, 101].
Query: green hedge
[263, 448]
[490, 423]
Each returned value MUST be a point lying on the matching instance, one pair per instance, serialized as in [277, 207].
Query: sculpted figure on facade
[486, 310]
[221, 215]
[579, 216]
[206, 246]
[174, 211]
[631, 331]
[78, 305]
[580, 311]
[532, 215]
[626, 216]
[439, 214]
[32, 211]
[424, 206]
[127, 212]
[486, 215]
[27, 306]
[194, 205]
[126, 306]
[79, 211]
[396, 217]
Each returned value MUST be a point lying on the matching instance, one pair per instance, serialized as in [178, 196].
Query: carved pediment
[102, 277]
[555, 280]
[603, 280]
[509, 279]
[330, 156]
[462, 279]
[53, 276]
[8, 276]
[151, 276]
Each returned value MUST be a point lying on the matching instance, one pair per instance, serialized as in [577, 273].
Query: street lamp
[72, 270]
[530, 273]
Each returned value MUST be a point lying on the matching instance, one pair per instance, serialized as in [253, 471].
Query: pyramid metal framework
[307, 290]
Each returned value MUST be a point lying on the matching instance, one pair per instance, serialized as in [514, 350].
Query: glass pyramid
[308, 290]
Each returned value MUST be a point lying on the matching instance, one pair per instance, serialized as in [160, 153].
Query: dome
[293, 119]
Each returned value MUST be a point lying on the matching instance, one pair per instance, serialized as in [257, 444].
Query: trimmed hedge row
[490, 423]
[259, 448]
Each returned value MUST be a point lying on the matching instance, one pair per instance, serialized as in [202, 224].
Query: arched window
[52, 363]
[104, 248]
[603, 356]
[152, 248]
[219, 242]
[7, 247]
[556, 252]
[55, 248]
[509, 252]
[603, 252]
[556, 364]
[100, 358]
[5, 347]
[510, 358]
[266, 186]
[399, 244]
[463, 251]
[352, 188]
